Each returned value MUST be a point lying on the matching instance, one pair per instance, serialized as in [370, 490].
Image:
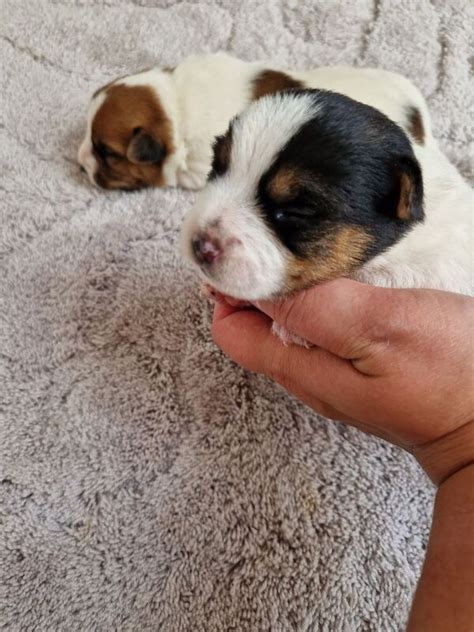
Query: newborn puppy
[156, 128]
[309, 185]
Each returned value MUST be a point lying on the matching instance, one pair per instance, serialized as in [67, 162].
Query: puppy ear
[143, 148]
[408, 200]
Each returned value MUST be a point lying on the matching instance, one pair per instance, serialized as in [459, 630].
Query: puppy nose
[205, 249]
[82, 169]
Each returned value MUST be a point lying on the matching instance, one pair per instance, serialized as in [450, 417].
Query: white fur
[435, 254]
[85, 155]
[211, 90]
[205, 92]
[254, 260]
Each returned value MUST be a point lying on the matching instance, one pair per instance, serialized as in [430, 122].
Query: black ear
[144, 148]
[407, 203]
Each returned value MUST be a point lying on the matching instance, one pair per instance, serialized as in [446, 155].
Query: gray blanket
[147, 483]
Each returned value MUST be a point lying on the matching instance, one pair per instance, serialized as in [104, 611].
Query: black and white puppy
[310, 185]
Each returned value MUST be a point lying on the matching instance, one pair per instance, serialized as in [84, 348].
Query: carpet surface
[146, 482]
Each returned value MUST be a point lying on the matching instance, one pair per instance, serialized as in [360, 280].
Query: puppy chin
[240, 280]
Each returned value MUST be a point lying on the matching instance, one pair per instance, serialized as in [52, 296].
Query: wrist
[443, 600]
[444, 457]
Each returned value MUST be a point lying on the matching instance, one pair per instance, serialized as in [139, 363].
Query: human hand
[395, 363]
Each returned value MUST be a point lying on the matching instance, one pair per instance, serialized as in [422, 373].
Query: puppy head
[128, 136]
[305, 187]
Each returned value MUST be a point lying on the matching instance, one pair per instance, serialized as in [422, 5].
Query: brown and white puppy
[156, 128]
[310, 185]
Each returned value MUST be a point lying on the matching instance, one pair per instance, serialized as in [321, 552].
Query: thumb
[343, 316]
[322, 380]
[246, 336]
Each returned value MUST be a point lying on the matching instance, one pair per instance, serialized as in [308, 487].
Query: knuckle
[292, 309]
[383, 315]
[394, 317]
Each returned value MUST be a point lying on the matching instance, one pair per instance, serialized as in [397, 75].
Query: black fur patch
[355, 166]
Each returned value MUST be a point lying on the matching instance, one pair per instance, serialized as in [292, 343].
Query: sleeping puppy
[310, 185]
[156, 128]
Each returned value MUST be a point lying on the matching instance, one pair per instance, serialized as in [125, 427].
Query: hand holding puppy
[397, 364]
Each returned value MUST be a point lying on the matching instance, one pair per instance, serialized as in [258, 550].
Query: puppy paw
[289, 338]
[192, 180]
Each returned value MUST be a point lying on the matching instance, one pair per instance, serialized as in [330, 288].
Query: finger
[243, 335]
[224, 309]
[328, 384]
[314, 375]
[344, 317]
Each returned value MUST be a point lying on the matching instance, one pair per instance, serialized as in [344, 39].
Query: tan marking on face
[335, 255]
[284, 185]
[406, 195]
[415, 125]
[271, 81]
[126, 108]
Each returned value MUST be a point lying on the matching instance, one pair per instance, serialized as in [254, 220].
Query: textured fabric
[147, 483]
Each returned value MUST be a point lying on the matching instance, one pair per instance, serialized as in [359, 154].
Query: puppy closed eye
[292, 214]
[104, 152]
[114, 155]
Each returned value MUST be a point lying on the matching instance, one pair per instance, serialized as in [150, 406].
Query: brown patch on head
[131, 135]
[337, 254]
[271, 81]
[415, 125]
[284, 185]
